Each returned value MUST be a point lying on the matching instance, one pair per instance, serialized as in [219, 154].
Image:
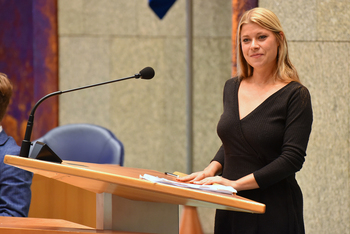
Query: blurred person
[15, 192]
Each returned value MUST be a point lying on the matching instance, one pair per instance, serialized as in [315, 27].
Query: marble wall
[319, 41]
[101, 40]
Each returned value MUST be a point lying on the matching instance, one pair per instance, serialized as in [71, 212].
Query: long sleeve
[296, 136]
[220, 156]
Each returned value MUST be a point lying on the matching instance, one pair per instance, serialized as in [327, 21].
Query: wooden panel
[55, 199]
[15, 225]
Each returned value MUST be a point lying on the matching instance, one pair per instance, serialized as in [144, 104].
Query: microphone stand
[51, 156]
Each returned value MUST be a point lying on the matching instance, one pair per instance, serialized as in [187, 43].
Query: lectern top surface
[126, 182]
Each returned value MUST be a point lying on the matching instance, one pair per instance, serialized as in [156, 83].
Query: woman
[264, 130]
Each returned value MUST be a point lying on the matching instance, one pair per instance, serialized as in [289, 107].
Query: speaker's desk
[128, 203]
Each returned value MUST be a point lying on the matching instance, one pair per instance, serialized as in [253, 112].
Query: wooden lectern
[127, 203]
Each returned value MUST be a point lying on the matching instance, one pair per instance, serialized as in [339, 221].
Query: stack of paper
[212, 188]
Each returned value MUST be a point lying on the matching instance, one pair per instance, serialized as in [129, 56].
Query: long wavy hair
[266, 19]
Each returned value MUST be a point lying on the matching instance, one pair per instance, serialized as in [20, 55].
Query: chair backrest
[85, 143]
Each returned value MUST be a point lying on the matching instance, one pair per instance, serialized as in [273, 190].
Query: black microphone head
[147, 73]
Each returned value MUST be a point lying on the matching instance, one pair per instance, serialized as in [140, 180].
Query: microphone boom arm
[26, 143]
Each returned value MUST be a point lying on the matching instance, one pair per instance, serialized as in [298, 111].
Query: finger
[199, 177]
[203, 182]
[186, 178]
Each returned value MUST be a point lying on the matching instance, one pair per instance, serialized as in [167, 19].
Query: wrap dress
[271, 143]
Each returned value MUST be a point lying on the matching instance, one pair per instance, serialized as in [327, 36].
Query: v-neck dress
[271, 143]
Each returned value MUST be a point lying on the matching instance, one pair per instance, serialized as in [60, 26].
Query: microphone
[146, 73]
[47, 154]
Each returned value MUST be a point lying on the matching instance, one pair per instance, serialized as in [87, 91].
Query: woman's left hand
[245, 183]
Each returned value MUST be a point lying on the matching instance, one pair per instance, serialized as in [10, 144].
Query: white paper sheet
[212, 188]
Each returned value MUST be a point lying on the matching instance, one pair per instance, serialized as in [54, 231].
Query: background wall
[319, 41]
[101, 40]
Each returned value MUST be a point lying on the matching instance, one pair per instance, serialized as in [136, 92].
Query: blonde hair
[5, 94]
[267, 20]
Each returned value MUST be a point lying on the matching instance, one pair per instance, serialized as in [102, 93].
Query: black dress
[269, 142]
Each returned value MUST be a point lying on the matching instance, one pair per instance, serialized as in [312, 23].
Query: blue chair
[85, 143]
